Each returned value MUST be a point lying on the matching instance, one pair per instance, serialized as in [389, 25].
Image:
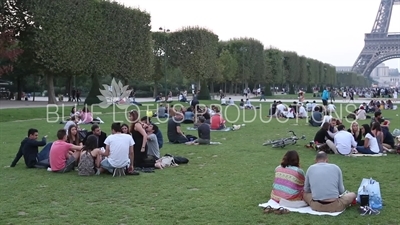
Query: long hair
[135, 118]
[90, 144]
[367, 129]
[70, 137]
[376, 127]
[291, 158]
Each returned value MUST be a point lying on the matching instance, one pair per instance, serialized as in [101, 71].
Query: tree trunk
[68, 87]
[231, 88]
[212, 88]
[50, 90]
[155, 87]
[19, 89]
[225, 87]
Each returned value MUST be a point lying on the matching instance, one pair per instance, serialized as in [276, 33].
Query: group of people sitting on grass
[83, 116]
[295, 189]
[370, 138]
[130, 146]
[294, 110]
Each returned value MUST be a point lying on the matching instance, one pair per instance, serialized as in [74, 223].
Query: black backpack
[179, 159]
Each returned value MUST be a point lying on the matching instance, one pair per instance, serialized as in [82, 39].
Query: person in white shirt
[223, 101]
[280, 109]
[309, 106]
[371, 145]
[331, 108]
[118, 152]
[313, 105]
[302, 112]
[344, 142]
[231, 102]
[327, 118]
[247, 104]
[361, 114]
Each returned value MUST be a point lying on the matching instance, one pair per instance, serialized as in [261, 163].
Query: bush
[92, 98]
[204, 93]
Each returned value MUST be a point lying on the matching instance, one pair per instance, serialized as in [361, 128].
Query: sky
[331, 31]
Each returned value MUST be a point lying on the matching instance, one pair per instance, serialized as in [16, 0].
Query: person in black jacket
[101, 136]
[322, 135]
[29, 148]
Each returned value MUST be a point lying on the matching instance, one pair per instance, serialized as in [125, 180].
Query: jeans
[44, 154]
[364, 150]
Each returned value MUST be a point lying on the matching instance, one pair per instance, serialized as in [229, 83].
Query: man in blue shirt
[325, 96]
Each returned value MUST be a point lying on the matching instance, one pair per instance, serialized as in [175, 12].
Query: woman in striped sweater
[289, 179]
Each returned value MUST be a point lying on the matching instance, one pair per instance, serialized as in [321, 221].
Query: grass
[221, 184]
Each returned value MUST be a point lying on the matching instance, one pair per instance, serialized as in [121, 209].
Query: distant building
[384, 75]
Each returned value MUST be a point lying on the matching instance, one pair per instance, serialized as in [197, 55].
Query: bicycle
[281, 143]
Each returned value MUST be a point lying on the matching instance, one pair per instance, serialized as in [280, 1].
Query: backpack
[179, 159]
[86, 165]
[167, 161]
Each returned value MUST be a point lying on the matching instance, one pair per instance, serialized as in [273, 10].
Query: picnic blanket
[306, 209]
[195, 128]
[371, 155]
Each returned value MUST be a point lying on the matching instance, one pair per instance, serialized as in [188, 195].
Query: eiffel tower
[380, 45]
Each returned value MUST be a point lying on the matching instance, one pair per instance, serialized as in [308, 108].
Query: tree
[292, 67]
[227, 66]
[194, 50]
[9, 51]
[160, 62]
[274, 67]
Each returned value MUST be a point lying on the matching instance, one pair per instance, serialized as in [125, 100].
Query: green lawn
[222, 184]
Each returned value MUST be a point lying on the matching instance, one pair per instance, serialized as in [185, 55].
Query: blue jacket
[325, 95]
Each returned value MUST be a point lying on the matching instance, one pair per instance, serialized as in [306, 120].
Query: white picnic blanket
[306, 209]
[370, 155]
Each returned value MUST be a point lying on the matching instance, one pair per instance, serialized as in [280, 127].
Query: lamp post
[243, 50]
[283, 72]
[165, 60]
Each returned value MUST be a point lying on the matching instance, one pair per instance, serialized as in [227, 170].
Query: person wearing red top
[62, 154]
[217, 122]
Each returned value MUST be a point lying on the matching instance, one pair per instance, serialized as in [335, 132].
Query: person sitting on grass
[63, 155]
[73, 121]
[29, 149]
[204, 133]
[217, 122]
[153, 149]
[90, 158]
[289, 179]
[118, 152]
[174, 131]
[73, 135]
[316, 118]
[101, 136]
[323, 188]
[161, 112]
[158, 133]
[189, 116]
[371, 144]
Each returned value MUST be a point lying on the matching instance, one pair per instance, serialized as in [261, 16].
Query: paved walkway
[42, 102]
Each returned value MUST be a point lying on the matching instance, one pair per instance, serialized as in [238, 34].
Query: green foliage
[92, 98]
[194, 50]
[249, 54]
[204, 93]
[227, 66]
[274, 65]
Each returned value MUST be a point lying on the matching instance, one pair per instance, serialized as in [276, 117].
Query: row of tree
[94, 39]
